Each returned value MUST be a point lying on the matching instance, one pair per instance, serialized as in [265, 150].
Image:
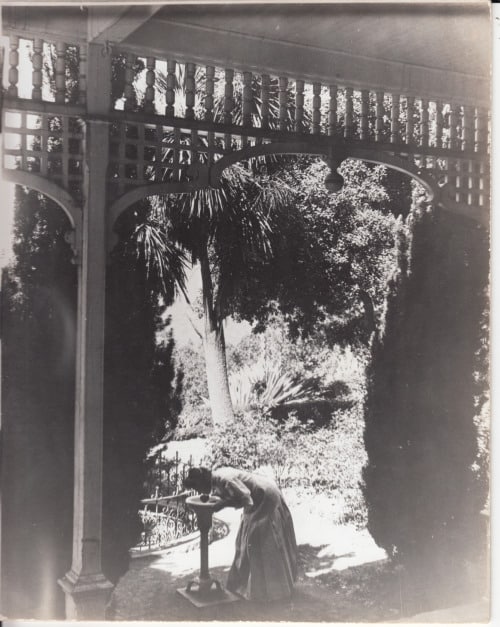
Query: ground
[344, 577]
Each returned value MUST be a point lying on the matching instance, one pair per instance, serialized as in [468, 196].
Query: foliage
[141, 390]
[312, 356]
[331, 257]
[264, 385]
[38, 383]
[325, 461]
[422, 488]
[194, 419]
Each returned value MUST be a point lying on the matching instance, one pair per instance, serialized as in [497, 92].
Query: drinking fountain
[205, 591]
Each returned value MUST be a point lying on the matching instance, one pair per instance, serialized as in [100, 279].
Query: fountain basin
[196, 502]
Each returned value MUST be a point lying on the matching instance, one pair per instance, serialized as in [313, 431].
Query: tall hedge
[38, 381]
[422, 488]
[38, 406]
[140, 395]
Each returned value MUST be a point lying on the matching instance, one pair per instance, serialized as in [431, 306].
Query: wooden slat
[228, 103]
[60, 72]
[13, 66]
[348, 120]
[410, 102]
[299, 106]
[209, 92]
[395, 126]
[379, 116]
[439, 125]
[363, 121]
[283, 97]
[37, 65]
[190, 90]
[170, 90]
[82, 75]
[332, 111]
[468, 129]
[452, 124]
[266, 82]
[149, 94]
[316, 109]
[247, 99]
[424, 123]
[65, 153]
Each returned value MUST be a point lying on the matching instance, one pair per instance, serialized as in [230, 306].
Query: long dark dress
[265, 562]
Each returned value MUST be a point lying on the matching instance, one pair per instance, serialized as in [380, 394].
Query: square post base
[86, 595]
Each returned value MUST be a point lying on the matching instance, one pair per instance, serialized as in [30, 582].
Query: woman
[265, 563]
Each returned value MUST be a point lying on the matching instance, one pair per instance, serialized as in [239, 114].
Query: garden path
[148, 590]
[344, 577]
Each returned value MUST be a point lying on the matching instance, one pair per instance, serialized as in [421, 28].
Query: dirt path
[344, 577]
[327, 554]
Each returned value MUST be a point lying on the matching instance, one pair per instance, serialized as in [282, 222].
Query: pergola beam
[174, 39]
[115, 24]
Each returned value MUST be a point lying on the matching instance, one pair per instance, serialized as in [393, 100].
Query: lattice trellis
[45, 144]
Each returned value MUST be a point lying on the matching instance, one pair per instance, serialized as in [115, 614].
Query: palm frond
[165, 260]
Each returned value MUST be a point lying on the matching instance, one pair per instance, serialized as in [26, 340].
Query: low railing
[170, 116]
[230, 96]
[165, 517]
[165, 520]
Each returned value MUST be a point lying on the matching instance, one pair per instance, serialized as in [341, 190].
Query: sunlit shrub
[311, 461]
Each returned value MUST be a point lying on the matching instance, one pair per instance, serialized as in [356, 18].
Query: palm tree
[220, 231]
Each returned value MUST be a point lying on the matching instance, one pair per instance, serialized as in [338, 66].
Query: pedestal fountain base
[201, 595]
[205, 591]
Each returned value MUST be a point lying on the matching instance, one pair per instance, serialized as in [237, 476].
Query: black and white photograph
[245, 311]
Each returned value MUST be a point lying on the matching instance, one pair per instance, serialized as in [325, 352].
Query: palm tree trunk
[215, 351]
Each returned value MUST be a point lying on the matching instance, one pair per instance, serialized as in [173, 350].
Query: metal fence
[166, 474]
[164, 516]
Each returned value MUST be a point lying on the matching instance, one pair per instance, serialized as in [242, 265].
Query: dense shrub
[326, 461]
[423, 491]
[195, 421]
[38, 388]
[140, 394]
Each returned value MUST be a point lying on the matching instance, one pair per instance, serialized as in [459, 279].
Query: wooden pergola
[407, 87]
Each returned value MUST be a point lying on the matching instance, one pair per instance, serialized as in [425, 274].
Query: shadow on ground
[370, 592]
[343, 577]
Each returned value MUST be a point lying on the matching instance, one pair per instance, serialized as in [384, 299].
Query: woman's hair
[199, 479]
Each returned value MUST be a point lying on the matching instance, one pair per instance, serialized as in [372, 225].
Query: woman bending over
[265, 562]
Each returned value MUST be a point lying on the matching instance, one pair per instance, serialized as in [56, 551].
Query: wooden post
[190, 90]
[149, 96]
[170, 94]
[395, 126]
[228, 104]
[424, 123]
[348, 119]
[86, 588]
[13, 66]
[332, 111]
[316, 109]
[37, 63]
[266, 82]
[128, 90]
[299, 105]
[365, 104]
[282, 95]
[379, 116]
